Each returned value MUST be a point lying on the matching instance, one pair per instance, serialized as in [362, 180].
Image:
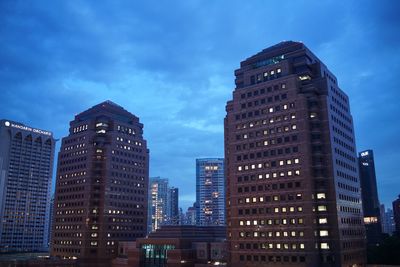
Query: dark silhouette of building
[293, 189]
[101, 189]
[26, 169]
[173, 209]
[370, 200]
[396, 215]
[176, 246]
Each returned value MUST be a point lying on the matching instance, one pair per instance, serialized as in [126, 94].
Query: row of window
[265, 111]
[269, 198]
[268, 142]
[262, 91]
[264, 258]
[267, 153]
[251, 124]
[266, 76]
[255, 134]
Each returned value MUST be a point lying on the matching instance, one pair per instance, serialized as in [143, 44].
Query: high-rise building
[389, 225]
[26, 169]
[210, 191]
[190, 218]
[293, 189]
[101, 187]
[158, 199]
[396, 215]
[369, 194]
[173, 206]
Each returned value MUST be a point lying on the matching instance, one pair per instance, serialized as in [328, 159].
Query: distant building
[369, 194]
[293, 187]
[26, 169]
[210, 191]
[389, 225]
[191, 215]
[173, 210]
[158, 203]
[102, 185]
[176, 246]
[396, 214]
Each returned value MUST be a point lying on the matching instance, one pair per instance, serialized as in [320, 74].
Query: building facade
[26, 169]
[396, 215]
[210, 191]
[388, 226]
[158, 203]
[370, 200]
[173, 206]
[293, 189]
[176, 246]
[102, 185]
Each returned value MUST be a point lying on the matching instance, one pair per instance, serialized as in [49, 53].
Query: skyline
[60, 59]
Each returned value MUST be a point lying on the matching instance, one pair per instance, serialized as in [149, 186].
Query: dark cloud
[171, 63]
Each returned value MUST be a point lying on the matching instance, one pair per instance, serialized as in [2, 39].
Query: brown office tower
[101, 189]
[293, 192]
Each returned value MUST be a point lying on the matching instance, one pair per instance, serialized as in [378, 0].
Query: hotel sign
[26, 128]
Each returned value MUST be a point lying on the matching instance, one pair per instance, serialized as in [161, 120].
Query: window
[321, 196]
[322, 220]
[323, 233]
[324, 246]
[322, 208]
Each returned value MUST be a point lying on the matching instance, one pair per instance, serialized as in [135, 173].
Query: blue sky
[171, 63]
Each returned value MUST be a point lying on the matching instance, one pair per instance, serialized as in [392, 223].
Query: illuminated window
[322, 220]
[322, 208]
[321, 196]
[323, 233]
[324, 246]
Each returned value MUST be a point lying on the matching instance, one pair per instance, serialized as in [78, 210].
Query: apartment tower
[158, 200]
[293, 191]
[210, 191]
[26, 170]
[173, 206]
[370, 200]
[101, 188]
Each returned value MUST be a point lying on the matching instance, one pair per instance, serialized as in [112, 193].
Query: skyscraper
[210, 191]
[173, 206]
[396, 215]
[101, 187]
[26, 169]
[158, 199]
[369, 194]
[293, 189]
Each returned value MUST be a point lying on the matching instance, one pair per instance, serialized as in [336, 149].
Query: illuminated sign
[365, 153]
[26, 128]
